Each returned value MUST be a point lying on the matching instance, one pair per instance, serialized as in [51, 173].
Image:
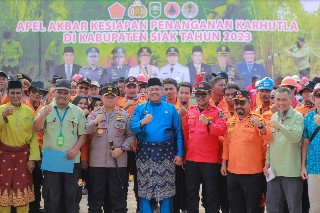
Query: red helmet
[141, 78]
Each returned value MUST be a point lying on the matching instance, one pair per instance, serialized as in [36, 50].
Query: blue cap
[266, 84]
[92, 50]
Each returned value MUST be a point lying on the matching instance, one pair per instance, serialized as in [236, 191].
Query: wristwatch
[123, 148]
[209, 123]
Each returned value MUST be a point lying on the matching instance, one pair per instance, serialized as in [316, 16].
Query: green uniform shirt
[300, 57]
[11, 53]
[284, 149]
[73, 126]
[18, 130]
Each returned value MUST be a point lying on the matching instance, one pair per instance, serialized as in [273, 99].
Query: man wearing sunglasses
[83, 86]
[205, 123]
[242, 156]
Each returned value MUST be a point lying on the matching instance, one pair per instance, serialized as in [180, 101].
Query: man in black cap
[300, 56]
[173, 69]
[144, 67]
[249, 68]
[108, 165]
[118, 68]
[223, 65]
[68, 69]
[158, 127]
[19, 149]
[11, 52]
[197, 68]
[64, 132]
[83, 86]
[93, 71]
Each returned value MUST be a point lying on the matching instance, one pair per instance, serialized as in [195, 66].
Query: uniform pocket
[248, 134]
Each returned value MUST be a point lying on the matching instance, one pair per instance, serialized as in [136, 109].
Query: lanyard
[61, 119]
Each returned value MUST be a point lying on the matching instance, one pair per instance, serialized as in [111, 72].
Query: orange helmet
[141, 78]
[289, 81]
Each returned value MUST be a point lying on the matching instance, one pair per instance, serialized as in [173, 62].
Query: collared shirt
[265, 113]
[123, 100]
[313, 154]
[18, 131]
[153, 71]
[300, 57]
[180, 73]
[114, 127]
[165, 124]
[114, 72]
[11, 53]
[243, 145]
[73, 126]
[304, 109]
[93, 74]
[284, 149]
[40, 134]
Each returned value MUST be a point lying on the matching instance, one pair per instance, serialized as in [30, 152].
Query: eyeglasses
[241, 103]
[82, 87]
[35, 91]
[317, 95]
[201, 95]
[271, 97]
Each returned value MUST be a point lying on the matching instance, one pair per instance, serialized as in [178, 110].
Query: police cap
[109, 89]
[172, 51]
[92, 50]
[118, 51]
[223, 50]
[144, 51]
[203, 87]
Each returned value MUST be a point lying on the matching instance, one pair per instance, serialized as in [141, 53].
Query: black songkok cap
[14, 85]
[68, 50]
[154, 82]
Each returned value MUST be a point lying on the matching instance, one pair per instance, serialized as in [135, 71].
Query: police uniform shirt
[232, 71]
[116, 72]
[178, 72]
[93, 75]
[114, 127]
[134, 71]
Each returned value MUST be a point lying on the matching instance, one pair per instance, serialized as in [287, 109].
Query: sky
[310, 5]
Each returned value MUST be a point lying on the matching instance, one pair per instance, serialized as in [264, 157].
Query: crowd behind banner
[250, 142]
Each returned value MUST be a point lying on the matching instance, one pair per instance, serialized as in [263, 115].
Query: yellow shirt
[18, 130]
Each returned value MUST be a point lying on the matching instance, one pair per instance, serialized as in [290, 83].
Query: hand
[273, 108]
[128, 104]
[255, 122]
[203, 119]
[182, 111]
[275, 125]
[146, 119]
[265, 170]
[72, 153]
[86, 112]
[84, 165]
[224, 168]
[25, 84]
[178, 160]
[317, 119]
[116, 152]
[100, 117]
[47, 109]
[8, 111]
[30, 165]
[203, 74]
[304, 173]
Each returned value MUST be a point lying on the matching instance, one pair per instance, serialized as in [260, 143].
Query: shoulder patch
[221, 114]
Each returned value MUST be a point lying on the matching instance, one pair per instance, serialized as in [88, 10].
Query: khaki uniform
[232, 71]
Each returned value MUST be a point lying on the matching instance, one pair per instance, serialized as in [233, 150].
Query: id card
[60, 140]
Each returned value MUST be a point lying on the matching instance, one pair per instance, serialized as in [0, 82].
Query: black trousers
[179, 199]
[207, 175]
[244, 192]
[223, 193]
[37, 182]
[132, 170]
[60, 191]
[105, 187]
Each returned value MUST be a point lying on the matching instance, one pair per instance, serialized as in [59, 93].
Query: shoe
[131, 178]
[84, 191]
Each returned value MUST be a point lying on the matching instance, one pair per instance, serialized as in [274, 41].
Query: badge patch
[172, 10]
[221, 114]
[190, 10]
[155, 9]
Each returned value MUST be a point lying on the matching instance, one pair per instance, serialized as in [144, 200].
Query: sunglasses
[241, 103]
[201, 95]
[82, 87]
[35, 91]
[317, 95]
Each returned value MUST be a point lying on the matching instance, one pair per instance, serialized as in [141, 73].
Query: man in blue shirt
[311, 152]
[158, 128]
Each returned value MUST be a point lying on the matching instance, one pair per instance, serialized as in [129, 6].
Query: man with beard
[19, 149]
[36, 93]
[300, 56]
[64, 131]
[170, 87]
[265, 109]
[283, 154]
[93, 71]
[158, 128]
[243, 145]
[129, 103]
[144, 67]
[305, 92]
[205, 123]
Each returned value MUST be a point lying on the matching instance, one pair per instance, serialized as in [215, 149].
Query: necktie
[146, 69]
[120, 69]
[171, 69]
[68, 72]
[198, 69]
[250, 68]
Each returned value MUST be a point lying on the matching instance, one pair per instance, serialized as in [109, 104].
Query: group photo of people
[189, 138]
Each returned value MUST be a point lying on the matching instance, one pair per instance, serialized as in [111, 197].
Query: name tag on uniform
[60, 140]
[119, 125]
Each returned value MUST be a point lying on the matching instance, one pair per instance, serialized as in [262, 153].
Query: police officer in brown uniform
[107, 166]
